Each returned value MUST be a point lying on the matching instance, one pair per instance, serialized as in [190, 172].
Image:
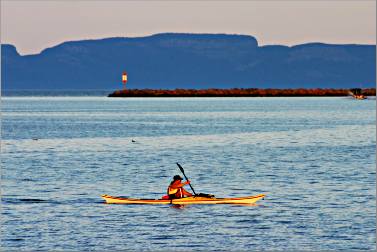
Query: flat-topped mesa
[236, 92]
[189, 61]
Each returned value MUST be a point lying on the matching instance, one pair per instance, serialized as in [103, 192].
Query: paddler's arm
[180, 184]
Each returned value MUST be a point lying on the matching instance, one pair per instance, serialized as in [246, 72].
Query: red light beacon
[124, 80]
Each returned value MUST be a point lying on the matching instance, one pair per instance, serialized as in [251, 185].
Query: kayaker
[176, 190]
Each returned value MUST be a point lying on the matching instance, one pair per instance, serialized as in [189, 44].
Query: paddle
[183, 172]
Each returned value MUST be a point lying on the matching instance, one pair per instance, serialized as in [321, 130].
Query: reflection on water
[178, 206]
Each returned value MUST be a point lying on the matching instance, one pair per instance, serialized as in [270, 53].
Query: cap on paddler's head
[177, 177]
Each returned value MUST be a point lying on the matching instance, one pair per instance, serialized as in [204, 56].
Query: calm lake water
[315, 159]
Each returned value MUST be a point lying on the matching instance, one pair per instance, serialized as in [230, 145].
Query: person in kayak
[176, 190]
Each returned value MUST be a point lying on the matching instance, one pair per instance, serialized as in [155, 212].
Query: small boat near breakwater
[358, 94]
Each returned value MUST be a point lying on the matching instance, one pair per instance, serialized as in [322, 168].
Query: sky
[35, 25]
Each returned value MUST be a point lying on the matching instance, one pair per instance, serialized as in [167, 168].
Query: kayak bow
[183, 201]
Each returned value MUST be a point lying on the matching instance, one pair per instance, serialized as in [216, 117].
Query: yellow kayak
[183, 201]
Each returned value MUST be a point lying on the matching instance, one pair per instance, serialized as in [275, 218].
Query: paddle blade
[181, 168]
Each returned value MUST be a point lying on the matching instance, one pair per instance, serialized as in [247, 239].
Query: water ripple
[313, 157]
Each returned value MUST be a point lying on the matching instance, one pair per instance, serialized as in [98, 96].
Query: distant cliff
[191, 61]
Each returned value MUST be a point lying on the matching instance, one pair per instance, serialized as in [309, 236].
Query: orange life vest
[175, 191]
